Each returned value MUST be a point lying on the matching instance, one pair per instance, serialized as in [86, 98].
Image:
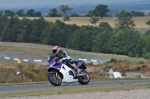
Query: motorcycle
[62, 72]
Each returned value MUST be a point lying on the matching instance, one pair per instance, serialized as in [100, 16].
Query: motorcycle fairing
[66, 76]
[80, 64]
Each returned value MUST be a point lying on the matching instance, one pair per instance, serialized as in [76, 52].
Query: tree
[74, 15]
[3, 20]
[101, 42]
[66, 18]
[57, 33]
[45, 35]
[124, 41]
[124, 20]
[30, 13]
[37, 27]
[105, 26]
[148, 22]
[27, 34]
[90, 13]
[11, 30]
[20, 13]
[94, 20]
[139, 46]
[53, 13]
[100, 10]
[146, 48]
[24, 23]
[82, 38]
[7, 13]
[137, 14]
[38, 14]
[2, 13]
[63, 9]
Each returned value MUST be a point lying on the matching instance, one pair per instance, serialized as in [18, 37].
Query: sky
[25, 3]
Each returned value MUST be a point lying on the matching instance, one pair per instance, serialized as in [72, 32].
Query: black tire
[84, 80]
[53, 80]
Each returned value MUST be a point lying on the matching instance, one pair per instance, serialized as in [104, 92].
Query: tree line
[99, 11]
[122, 40]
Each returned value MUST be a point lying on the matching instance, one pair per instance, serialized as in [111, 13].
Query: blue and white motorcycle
[62, 72]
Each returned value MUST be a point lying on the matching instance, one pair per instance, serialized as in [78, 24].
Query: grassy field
[140, 22]
[38, 51]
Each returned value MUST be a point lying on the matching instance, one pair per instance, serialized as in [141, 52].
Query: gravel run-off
[125, 94]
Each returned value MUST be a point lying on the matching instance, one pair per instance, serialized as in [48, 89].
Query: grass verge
[24, 83]
[75, 89]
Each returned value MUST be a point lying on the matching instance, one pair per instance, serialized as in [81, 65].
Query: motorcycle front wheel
[84, 79]
[55, 79]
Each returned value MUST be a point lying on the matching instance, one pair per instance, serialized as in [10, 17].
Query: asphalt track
[18, 88]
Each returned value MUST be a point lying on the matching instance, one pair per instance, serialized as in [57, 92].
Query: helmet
[56, 50]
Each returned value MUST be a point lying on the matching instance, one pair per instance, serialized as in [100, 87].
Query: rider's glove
[59, 61]
[63, 59]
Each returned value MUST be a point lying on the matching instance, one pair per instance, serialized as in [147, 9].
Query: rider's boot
[76, 69]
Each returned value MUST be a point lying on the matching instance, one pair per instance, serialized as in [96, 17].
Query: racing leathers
[62, 55]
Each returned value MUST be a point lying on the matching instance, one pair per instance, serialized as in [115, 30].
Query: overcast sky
[24, 3]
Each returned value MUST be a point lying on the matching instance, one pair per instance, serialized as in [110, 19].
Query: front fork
[56, 75]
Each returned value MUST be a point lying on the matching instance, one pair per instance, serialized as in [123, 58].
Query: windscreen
[51, 58]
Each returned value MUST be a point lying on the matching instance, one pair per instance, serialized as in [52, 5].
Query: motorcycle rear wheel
[85, 79]
[55, 79]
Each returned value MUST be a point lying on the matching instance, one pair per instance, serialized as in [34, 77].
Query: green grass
[38, 51]
[24, 83]
[26, 52]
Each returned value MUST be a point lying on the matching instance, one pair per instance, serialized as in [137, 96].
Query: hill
[40, 51]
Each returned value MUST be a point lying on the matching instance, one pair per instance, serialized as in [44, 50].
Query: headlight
[51, 65]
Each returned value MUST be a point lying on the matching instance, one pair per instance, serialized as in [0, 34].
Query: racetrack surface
[16, 88]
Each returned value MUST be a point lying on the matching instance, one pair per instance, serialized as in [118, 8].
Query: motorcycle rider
[62, 55]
